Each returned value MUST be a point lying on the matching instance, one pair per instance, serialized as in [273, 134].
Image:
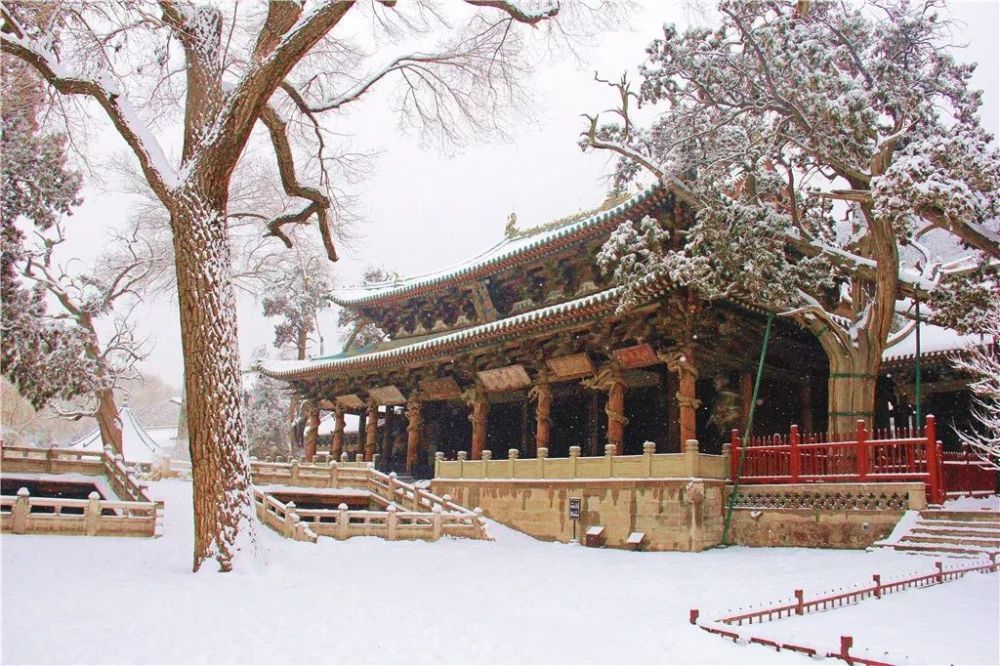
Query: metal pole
[917, 395]
[746, 432]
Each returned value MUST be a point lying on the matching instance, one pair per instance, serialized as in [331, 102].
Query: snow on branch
[538, 12]
[36, 51]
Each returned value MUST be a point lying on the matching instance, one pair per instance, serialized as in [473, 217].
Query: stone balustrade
[649, 465]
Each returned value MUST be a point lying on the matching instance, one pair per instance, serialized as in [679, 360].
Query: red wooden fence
[967, 474]
[898, 455]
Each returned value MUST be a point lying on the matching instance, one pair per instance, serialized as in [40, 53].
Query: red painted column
[337, 448]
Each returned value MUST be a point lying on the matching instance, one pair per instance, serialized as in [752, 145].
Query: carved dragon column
[476, 399]
[542, 394]
[337, 448]
[680, 360]
[414, 422]
[371, 429]
[610, 379]
[312, 429]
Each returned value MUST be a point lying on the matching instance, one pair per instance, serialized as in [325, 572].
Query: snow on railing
[724, 626]
[24, 514]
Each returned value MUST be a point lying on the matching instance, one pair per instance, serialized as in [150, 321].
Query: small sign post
[574, 513]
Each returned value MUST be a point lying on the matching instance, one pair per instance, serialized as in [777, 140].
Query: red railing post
[846, 643]
[862, 450]
[933, 466]
[794, 463]
[734, 456]
[799, 609]
[693, 616]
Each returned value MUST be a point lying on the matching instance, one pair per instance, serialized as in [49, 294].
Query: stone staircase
[970, 534]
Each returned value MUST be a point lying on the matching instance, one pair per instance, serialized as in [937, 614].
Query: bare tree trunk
[107, 420]
[220, 466]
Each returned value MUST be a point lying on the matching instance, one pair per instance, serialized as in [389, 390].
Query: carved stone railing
[649, 465]
[23, 514]
[410, 512]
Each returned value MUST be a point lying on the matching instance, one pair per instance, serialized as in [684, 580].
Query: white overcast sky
[424, 210]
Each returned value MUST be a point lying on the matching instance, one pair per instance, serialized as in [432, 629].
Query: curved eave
[939, 356]
[546, 244]
[581, 309]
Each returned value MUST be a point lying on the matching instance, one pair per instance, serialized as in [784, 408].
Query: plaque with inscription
[574, 365]
[505, 379]
[635, 357]
[350, 401]
[444, 388]
[387, 395]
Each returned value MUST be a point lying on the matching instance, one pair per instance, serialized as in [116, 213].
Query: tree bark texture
[107, 420]
[616, 412]
[480, 412]
[220, 467]
[543, 410]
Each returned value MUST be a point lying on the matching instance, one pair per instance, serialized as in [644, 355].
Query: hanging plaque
[635, 357]
[505, 379]
[444, 388]
[350, 401]
[387, 395]
[574, 365]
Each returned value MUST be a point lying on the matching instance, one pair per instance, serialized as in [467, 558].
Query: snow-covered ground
[515, 600]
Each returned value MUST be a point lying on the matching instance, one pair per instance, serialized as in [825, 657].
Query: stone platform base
[674, 514]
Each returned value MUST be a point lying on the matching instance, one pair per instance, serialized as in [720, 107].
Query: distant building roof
[137, 444]
[935, 342]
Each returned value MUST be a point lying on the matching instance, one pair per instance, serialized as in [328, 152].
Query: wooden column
[390, 413]
[681, 360]
[414, 421]
[807, 407]
[746, 397]
[542, 393]
[480, 411]
[616, 411]
[337, 447]
[371, 429]
[312, 429]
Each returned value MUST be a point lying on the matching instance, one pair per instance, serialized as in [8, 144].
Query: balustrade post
[543, 453]
[19, 514]
[609, 458]
[345, 457]
[727, 457]
[691, 457]
[92, 514]
[574, 457]
[861, 452]
[436, 520]
[290, 518]
[343, 522]
[392, 519]
[392, 486]
[734, 455]
[334, 474]
[933, 469]
[462, 456]
[794, 462]
[512, 455]
[438, 457]
[648, 450]
[487, 455]
[295, 471]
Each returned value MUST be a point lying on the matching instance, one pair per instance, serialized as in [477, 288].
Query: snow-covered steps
[948, 533]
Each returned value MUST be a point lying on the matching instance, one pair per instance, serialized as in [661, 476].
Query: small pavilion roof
[137, 445]
[505, 254]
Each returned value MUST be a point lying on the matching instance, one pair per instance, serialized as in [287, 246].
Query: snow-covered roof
[137, 445]
[585, 306]
[934, 340]
[493, 259]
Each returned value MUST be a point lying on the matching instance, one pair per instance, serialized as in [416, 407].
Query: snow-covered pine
[982, 363]
[818, 143]
[44, 359]
[141, 62]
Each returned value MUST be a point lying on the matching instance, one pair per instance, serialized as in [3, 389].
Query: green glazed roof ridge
[487, 259]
